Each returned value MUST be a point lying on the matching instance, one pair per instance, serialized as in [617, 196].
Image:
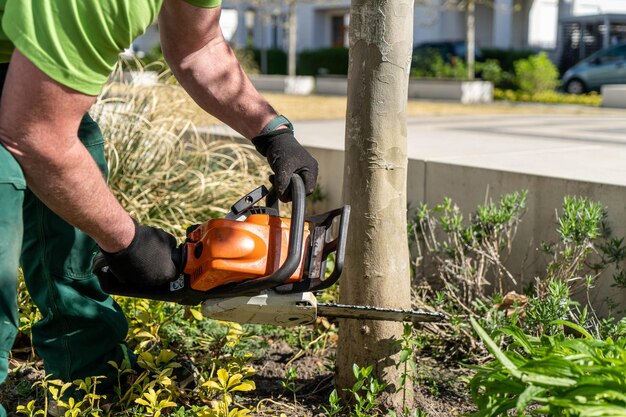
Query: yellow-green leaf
[212, 385]
[222, 376]
[234, 380]
[196, 314]
[245, 386]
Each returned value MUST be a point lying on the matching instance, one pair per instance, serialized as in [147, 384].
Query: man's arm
[207, 68]
[39, 121]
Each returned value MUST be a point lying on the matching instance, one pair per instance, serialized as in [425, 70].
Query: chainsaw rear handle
[294, 250]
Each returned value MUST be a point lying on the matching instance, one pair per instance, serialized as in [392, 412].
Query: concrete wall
[430, 182]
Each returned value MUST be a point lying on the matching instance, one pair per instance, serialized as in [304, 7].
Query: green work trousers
[82, 328]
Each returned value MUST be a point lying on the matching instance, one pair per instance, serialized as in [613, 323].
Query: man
[55, 206]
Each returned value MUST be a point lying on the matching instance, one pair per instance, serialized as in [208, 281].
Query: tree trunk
[377, 259]
[293, 38]
[471, 39]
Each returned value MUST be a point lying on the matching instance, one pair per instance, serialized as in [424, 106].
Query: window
[339, 34]
[613, 55]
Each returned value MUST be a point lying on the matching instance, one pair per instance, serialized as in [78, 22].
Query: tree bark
[471, 39]
[377, 260]
[293, 38]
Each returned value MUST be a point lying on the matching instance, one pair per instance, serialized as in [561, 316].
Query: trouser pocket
[12, 188]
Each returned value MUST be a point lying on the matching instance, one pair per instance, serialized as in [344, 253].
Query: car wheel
[575, 86]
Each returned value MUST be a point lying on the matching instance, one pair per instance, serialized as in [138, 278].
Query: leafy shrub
[331, 61]
[461, 259]
[490, 70]
[276, 60]
[432, 65]
[558, 375]
[536, 74]
[464, 253]
[506, 57]
[549, 97]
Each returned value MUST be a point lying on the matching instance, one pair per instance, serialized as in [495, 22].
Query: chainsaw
[254, 266]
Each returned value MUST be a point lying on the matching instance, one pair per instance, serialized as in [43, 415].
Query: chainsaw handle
[296, 233]
[340, 253]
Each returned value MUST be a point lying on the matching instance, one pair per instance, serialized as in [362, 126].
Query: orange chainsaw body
[223, 251]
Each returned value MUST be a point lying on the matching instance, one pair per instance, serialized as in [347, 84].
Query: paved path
[582, 147]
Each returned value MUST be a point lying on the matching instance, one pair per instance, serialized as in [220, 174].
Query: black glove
[147, 260]
[287, 157]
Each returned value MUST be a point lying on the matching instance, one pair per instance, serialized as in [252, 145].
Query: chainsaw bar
[377, 313]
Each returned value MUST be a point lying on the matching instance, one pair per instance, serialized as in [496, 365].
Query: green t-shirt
[76, 42]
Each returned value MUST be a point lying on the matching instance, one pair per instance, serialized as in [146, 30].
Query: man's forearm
[71, 185]
[208, 69]
[39, 121]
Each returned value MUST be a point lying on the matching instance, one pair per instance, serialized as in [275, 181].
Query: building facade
[518, 24]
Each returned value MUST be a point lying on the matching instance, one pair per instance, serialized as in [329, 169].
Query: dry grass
[161, 170]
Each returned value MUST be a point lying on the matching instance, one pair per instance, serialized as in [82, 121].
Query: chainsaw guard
[268, 308]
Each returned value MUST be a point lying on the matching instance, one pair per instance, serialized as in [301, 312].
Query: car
[446, 49]
[607, 66]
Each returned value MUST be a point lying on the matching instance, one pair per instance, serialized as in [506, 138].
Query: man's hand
[148, 260]
[287, 157]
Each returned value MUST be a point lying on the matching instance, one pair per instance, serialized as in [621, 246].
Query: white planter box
[614, 96]
[455, 90]
[284, 84]
[301, 85]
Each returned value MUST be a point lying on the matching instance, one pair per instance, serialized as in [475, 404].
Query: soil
[440, 389]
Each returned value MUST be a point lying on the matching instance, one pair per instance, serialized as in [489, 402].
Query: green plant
[365, 392]
[290, 383]
[334, 405]
[226, 384]
[28, 313]
[558, 375]
[325, 61]
[464, 253]
[276, 60]
[506, 57]
[544, 310]
[417, 412]
[30, 409]
[581, 223]
[548, 97]
[432, 65]
[153, 403]
[408, 345]
[490, 70]
[536, 74]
